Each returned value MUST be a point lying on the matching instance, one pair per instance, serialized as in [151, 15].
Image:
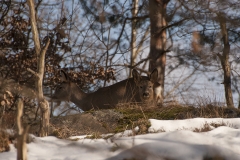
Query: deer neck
[77, 95]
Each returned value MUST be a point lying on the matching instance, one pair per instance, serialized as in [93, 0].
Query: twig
[33, 72]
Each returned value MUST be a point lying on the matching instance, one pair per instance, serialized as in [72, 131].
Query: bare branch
[33, 72]
[34, 27]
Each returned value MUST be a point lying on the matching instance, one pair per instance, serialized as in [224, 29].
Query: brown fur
[136, 89]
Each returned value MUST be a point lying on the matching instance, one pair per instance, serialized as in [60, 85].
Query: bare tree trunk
[238, 101]
[134, 35]
[157, 55]
[42, 102]
[22, 133]
[224, 58]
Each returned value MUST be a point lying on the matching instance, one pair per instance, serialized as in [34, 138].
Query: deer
[135, 89]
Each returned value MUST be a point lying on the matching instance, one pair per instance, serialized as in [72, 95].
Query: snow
[172, 139]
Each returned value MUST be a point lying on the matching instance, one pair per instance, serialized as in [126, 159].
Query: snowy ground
[172, 139]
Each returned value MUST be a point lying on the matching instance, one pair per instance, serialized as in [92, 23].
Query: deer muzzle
[146, 95]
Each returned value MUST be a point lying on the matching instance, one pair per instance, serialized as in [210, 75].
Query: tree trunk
[157, 55]
[224, 58]
[238, 101]
[134, 36]
[22, 133]
[43, 104]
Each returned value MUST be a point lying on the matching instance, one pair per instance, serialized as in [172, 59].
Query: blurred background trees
[99, 41]
[213, 26]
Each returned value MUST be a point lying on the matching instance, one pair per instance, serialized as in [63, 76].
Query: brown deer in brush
[135, 89]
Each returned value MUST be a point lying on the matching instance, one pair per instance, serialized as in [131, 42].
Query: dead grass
[95, 135]
[8, 120]
[131, 116]
[4, 141]
[62, 132]
[209, 126]
[206, 127]
[136, 116]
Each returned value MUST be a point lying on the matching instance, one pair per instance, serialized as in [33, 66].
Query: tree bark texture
[43, 104]
[224, 58]
[22, 133]
[134, 36]
[157, 55]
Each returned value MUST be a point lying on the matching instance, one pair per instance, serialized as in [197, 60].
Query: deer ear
[154, 76]
[64, 77]
[136, 76]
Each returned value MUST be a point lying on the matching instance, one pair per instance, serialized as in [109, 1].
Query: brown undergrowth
[138, 116]
[127, 117]
[95, 123]
[4, 141]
